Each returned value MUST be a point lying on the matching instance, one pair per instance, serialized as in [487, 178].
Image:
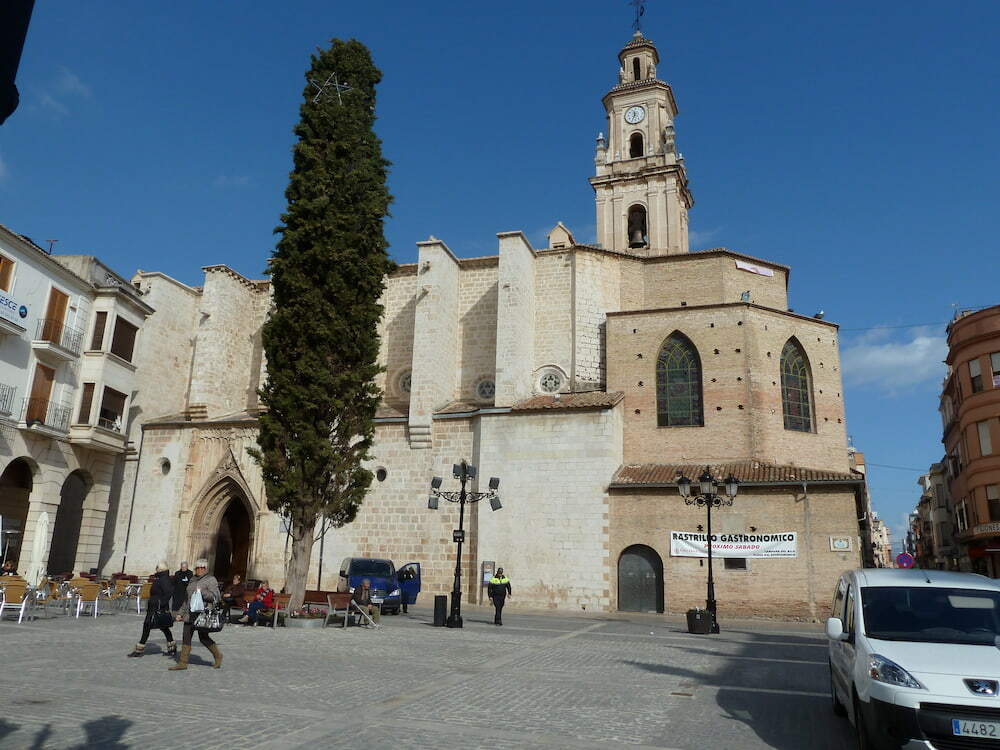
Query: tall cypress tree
[321, 339]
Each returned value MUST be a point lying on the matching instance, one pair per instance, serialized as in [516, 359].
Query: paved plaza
[541, 681]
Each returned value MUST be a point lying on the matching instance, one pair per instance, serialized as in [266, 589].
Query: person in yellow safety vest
[498, 591]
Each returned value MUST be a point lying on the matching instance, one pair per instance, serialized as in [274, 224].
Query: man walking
[498, 591]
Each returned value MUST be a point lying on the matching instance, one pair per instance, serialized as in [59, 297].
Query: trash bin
[699, 621]
[441, 610]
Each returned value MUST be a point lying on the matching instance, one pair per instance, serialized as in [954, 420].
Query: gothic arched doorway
[15, 489]
[69, 518]
[640, 580]
[232, 542]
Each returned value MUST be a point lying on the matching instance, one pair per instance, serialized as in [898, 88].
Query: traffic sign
[904, 560]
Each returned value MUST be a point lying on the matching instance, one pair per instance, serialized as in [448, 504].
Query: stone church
[587, 377]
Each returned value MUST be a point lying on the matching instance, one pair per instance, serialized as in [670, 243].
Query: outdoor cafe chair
[140, 591]
[63, 594]
[88, 595]
[14, 596]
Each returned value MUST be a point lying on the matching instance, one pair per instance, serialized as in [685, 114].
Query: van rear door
[409, 582]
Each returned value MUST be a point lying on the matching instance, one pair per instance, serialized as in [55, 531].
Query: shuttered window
[6, 273]
[86, 404]
[100, 323]
[123, 342]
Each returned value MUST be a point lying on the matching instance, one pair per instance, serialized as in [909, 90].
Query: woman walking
[204, 587]
[181, 578]
[158, 611]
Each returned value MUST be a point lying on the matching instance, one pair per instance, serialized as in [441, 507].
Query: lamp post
[463, 472]
[709, 498]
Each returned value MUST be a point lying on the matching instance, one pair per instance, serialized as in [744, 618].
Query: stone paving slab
[543, 680]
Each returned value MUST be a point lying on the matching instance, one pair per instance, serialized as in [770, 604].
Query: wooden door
[55, 316]
[41, 390]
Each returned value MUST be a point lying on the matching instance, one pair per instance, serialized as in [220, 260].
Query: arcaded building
[585, 376]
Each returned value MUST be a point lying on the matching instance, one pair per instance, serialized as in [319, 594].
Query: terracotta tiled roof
[753, 472]
[385, 411]
[638, 40]
[587, 400]
[458, 407]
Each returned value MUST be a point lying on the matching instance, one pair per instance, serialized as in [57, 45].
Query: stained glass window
[678, 384]
[796, 388]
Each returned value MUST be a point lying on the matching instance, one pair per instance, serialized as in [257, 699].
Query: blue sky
[854, 141]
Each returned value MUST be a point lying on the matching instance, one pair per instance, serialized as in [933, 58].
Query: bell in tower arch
[637, 229]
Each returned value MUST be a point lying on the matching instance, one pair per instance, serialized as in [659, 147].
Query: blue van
[391, 588]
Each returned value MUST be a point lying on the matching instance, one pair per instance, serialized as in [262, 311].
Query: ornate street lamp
[463, 472]
[709, 499]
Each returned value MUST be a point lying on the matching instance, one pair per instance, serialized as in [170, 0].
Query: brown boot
[138, 650]
[182, 660]
[214, 648]
[171, 648]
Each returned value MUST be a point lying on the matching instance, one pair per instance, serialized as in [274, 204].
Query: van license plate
[965, 728]
[378, 600]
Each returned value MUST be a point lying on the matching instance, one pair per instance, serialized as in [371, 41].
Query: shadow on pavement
[105, 733]
[783, 719]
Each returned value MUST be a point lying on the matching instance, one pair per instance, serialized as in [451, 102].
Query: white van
[915, 658]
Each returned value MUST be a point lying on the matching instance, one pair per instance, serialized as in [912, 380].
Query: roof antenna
[51, 244]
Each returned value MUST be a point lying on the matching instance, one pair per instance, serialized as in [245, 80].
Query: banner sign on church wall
[692, 544]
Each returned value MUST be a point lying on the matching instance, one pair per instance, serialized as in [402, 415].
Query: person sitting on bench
[232, 595]
[264, 600]
[363, 598]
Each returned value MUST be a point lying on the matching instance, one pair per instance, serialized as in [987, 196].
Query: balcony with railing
[55, 342]
[45, 414]
[106, 431]
[7, 399]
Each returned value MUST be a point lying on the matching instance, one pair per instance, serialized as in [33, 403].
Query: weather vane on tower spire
[640, 9]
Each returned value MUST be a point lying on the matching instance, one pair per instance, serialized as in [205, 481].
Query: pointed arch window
[796, 388]
[678, 384]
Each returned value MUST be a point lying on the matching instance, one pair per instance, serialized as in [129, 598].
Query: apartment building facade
[68, 330]
[970, 411]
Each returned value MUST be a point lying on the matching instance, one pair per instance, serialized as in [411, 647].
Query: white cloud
[69, 82]
[52, 105]
[55, 99]
[699, 239]
[231, 181]
[879, 359]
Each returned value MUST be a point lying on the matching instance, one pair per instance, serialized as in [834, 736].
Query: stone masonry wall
[706, 279]
[551, 534]
[598, 291]
[227, 332]
[435, 336]
[740, 349]
[396, 331]
[477, 315]
[800, 587]
[515, 333]
[553, 310]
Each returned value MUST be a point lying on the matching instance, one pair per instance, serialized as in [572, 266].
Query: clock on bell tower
[640, 186]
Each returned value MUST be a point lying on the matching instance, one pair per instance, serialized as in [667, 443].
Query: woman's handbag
[210, 620]
[161, 618]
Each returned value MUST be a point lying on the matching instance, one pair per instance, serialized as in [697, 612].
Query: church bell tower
[640, 185]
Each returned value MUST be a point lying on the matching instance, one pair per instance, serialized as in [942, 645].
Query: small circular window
[164, 466]
[486, 389]
[381, 473]
[405, 381]
[550, 382]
